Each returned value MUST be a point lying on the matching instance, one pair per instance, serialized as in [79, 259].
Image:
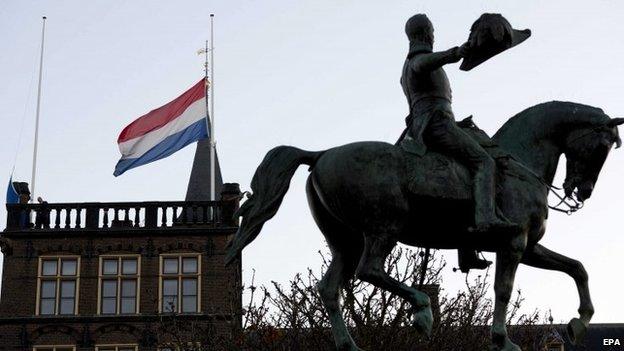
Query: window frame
[119, 277]
[179, 276]
[116, 346]
[165, 347]
[557, 344]
[58, 278]
[53, 347]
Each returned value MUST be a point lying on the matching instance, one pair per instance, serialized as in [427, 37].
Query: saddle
[437, 175]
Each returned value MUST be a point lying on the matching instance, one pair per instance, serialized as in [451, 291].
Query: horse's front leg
[540, 257]
[507, 261]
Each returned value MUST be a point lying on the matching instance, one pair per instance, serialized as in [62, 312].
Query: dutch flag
[164, 130]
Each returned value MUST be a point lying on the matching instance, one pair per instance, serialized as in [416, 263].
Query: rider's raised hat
[490, 35]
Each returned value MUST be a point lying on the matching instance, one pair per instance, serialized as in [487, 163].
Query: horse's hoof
[423, 321]
[576, 331]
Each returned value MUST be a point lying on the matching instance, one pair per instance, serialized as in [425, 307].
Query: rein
[568, 201]
[572, 207]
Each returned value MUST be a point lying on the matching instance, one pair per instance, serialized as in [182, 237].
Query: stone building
[106, 276]
[121, 276]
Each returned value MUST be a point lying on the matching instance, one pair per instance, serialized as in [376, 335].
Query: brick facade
[21, 328]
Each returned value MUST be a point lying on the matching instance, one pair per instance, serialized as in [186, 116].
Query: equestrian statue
[368, 196]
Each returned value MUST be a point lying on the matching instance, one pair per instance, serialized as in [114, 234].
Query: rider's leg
[445, 135]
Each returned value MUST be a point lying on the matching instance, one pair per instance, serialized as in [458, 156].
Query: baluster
[57, 218]
[45, 219]
[37, 218]
[164, 217]
[78, 215]
[208, 219]
[194, 209]
[68, 218]
[184, 215]
[209, 214]
[216, 213]
[116, 213]
[105, 218]
[136, 217]
[204, 214]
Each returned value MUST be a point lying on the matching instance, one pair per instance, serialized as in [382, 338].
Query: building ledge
[144, 317]
[121, 217]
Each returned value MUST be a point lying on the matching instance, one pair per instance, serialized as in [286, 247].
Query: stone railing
[118, 215]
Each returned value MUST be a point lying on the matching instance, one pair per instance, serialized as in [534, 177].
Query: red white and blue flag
[164, 130]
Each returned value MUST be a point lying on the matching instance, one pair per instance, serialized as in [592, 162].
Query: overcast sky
[313, 74]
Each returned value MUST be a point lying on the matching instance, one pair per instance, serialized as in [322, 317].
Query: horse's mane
[552, 115]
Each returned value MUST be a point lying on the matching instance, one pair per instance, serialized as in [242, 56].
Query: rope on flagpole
[20, 135]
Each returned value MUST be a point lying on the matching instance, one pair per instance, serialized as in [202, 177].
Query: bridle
[567, 204]
[570, 202]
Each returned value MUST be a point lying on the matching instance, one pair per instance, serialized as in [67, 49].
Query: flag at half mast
[164, 130]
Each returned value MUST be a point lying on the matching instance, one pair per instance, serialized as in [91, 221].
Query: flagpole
[34, 166]
[212, 128]
[206, 95]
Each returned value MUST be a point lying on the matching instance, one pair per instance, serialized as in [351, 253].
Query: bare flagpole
[212, 112]
[206, 87]
[34, 166]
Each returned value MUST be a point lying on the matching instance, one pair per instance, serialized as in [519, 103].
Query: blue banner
[12, 197]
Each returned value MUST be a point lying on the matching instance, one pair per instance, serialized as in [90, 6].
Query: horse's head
[586, 150]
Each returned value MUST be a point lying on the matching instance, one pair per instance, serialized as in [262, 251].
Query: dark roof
[594, 339]
[199, 182]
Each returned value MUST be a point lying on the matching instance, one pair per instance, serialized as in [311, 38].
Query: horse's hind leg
[346, 247]
[371, 269]
[338, 272]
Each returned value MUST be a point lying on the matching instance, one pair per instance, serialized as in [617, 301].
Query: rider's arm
[431, 61]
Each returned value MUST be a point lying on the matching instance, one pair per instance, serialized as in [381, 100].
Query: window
[58, 285]
[180, 283]
[116, 348]
[189, 346]
[54, 348]
[119, 285]
[555, 346]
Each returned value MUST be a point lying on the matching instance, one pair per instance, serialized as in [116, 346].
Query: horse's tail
[269, 185]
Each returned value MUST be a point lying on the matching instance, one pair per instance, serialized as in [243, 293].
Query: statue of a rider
[431, 124]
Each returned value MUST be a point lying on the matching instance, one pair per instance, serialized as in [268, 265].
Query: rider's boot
[484, 191]
[468, 260]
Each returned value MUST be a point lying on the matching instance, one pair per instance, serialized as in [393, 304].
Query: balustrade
[103, 216]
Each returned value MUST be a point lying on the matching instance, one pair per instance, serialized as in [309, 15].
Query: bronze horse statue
[368, 196]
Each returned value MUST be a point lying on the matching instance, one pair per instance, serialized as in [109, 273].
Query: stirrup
[471, 260]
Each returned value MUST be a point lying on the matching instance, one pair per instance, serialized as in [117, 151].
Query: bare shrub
[292, 317]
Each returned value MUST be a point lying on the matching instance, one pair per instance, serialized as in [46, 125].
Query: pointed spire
[199, 182]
